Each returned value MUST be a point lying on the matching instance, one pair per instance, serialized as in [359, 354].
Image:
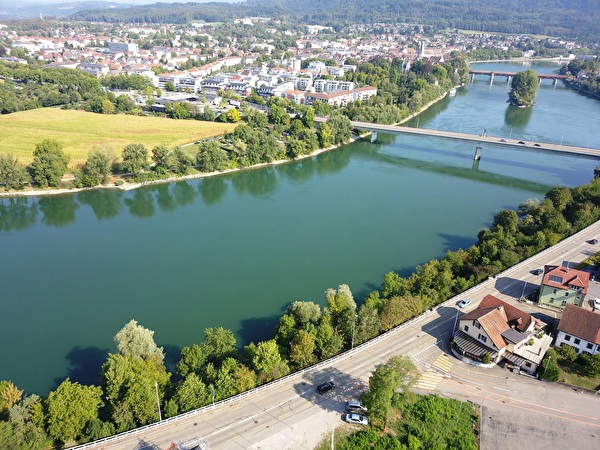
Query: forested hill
[561, 18]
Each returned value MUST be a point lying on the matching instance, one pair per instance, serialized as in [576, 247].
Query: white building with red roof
[579, 328]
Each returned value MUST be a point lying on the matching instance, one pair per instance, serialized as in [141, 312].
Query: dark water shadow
[258, 329]
[105, 203]
[212, 189]
[517, 117]
[17, 213]
[453, 242]
[58, 210]
[172, 356]
[85, 365]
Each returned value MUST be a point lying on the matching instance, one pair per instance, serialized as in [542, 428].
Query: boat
[452, 92]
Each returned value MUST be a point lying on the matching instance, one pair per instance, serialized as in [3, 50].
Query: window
[476, 324]
[466, 327]
[566, 294]
[527, 364]
[554, 291]
[563, 303]
[577, 341]
[590, 345]
[567, 337]
[555, 279]
[482, 338]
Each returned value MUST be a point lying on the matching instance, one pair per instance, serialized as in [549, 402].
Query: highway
[288, 414]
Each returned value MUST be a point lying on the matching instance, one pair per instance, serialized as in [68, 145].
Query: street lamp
[353, 330]
[213, 393]
[158, 401]
[546, 366]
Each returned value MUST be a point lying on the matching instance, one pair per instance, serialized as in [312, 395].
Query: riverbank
[126, 186]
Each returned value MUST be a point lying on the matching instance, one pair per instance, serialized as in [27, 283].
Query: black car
[537, 271]
[323, 388]
[593, 241]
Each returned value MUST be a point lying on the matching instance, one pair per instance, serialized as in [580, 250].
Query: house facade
[579, 328]
[503, 332]
[562, 286]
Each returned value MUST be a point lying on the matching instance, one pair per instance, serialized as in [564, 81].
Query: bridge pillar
[539, 80]
[491, 77]
[555, 82]
[508, 79]
[373, 137]
[477, 155]
[472, 77]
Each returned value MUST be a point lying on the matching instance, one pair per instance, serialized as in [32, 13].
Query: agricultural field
[81, 132]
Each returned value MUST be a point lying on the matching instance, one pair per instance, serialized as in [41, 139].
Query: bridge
[509, 75]
[497, 140]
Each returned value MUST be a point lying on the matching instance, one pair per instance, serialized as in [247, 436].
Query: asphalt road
[516, 409]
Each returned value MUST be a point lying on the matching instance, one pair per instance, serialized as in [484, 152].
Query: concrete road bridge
[495, 73]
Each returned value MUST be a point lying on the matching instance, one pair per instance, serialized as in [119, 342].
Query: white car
[356, 419]
[463, 303]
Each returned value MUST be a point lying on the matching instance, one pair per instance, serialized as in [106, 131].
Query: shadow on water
[172, 356]
[333, 161]
[258, 329]
[85, 365]
[453, 241]
[517, 117]
[141, 203]
[257, 183]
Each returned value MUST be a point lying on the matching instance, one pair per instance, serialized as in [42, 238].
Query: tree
[135, 158]
[179, 161]
[107, 107]
[191, 360]
[159, 155]
[9, 395]
[49, 163]
[70, 407]
[267, 361]
[97, 169]
[308, 118]
[211, 157]
[324, 135]
[233, 115]
[218, 344]
[277, 115]
[302, 348]
[191, 393]
[169, 87]
[13, 175]
[304, 312]
[135, 341]
[341, 129]
[399, 373]
[524, 88]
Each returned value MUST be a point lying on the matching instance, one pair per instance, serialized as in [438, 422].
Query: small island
[524, 88]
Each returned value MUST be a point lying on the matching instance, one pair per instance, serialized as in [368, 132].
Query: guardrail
[332, 360]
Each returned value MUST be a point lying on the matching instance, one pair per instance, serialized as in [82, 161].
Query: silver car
[354, 406]
[356, 419]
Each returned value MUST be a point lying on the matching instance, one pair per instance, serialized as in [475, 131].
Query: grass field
[80, 132]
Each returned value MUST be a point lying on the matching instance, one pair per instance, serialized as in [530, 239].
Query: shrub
[486, 358]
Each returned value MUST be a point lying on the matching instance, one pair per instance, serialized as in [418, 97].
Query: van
[597, 303]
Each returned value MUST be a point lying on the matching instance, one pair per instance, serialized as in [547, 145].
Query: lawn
[80, 132]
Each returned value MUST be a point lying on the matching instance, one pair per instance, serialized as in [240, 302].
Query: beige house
[502, 331]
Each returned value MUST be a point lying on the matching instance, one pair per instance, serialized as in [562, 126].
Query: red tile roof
[581, 323]
[569, 277]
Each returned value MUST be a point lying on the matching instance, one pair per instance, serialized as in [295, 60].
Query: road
[288, 414]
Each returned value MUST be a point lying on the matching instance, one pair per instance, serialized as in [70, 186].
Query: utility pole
[353, 330]
[158, 401]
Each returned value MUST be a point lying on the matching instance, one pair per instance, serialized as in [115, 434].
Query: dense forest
[563, 18]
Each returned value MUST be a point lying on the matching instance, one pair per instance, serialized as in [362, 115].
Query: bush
[567, 353]
[486, 358]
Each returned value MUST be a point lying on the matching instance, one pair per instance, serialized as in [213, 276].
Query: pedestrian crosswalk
[429, 380]
[443, 362]
[431, 377]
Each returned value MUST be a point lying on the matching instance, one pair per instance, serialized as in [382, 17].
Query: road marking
[443, 362]
[429, 380]
[501, 389]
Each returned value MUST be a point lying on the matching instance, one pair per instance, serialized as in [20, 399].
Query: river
[235, 250]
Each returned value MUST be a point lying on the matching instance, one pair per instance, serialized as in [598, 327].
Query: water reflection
[517, 117]
[212, 189]
[141, 204]
[58, 210]
[17, 213]
[105, 203]
[165, 200]
[333, 161]
[258, 183]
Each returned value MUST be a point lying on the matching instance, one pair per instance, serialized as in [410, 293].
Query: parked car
[356, 419]
[463, 303]
[354, 406]
[593, 241]
[521, 142]
[537, 271]
[323, 388]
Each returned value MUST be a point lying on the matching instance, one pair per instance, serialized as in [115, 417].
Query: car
[537, 271]
[502, 140]
[521, 142]
[463, 303]
[197, 142]
[356, 419]
[323, 388]
[593, 241]
[354, 406]
[537, 145]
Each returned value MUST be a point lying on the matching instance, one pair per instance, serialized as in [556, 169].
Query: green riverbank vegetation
[307, 333]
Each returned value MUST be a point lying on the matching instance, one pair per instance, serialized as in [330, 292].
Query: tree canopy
[524, 88]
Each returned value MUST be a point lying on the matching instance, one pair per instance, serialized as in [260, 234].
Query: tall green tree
[341, 129]
[211, 157]
[524, 86]
[70, 407]
[135, 341]
[135, 158]
[267, 361]
[49, 163]
[97, 169]
[13, 175]
[219, 343]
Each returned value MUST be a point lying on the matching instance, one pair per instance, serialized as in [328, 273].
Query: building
[562, 285]
[579, 328]
[502, 331]
[123, 47]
